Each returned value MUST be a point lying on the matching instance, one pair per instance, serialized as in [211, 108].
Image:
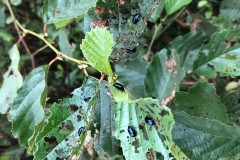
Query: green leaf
[118, 95]
[203, 138]
[104, 140]
[132, 74]
[2, 15]
[62, 24]
[65, 46]
[125, 33]
[163, 75]
[148, 138]
[58, 10]
[97, 47]
[187, 47]
[60, 135]
[5, 35]
[16, 2]
[157, 12]
[232, 102]
[27, 110]
[217, 46]
[230, 9]
[228, 65]
[173, 5]
[202, 101]
[12, 81]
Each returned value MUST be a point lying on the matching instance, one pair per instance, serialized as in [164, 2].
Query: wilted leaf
[97, 47]
[163, 76]
[12, 81]
[58, 10]
[27, 110]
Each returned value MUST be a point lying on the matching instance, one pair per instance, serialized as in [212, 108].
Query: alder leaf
[58, 10]
[60, 137]
[97, 47]
[202, 101]
[28, 107]
[203, 138]
[174, 5]
[164, 75]
[12, 81]
[146, 140]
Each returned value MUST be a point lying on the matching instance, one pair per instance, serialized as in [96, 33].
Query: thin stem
[45, 46]
[41, 36]
[159, 27]
[158, 31]
[19, 34]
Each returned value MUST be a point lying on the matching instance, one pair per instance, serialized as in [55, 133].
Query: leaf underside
[58, 10]
[12, 81]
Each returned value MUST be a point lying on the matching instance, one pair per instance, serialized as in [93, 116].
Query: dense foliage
[120, 79]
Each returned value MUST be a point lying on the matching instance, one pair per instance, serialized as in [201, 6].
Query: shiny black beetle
[132, 131]
[118, 86]
[131, 51]
[136, 18]
[149, 121]
[80, 130]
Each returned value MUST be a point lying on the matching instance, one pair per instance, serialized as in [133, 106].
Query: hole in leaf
[86, 99]
[66, 127]
[73, 108]
[50, 143]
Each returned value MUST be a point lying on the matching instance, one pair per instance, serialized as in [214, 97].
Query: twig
[45, 46]
[20, 36]
[158, 31]
[41, 36]
[148, 54]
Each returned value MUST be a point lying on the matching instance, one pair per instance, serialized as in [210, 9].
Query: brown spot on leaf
[195, 24]
[171, 64]
[99, 10]
[11, 73]
[136, 145]
[168, 99]
[121, 2]
[99, 23]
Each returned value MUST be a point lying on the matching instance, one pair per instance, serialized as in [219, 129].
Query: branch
[41, 36]
[20, 36]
